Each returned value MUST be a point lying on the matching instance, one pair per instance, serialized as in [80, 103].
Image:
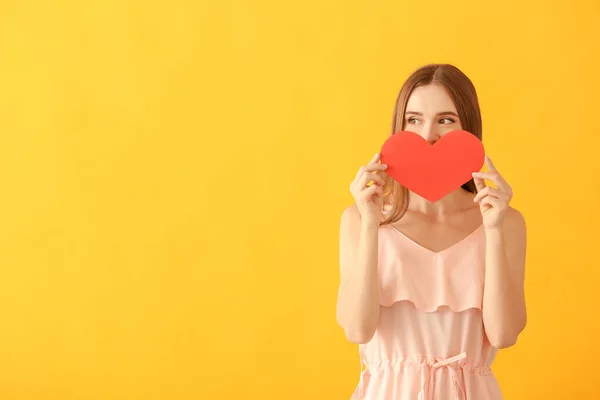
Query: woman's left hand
[493, 202]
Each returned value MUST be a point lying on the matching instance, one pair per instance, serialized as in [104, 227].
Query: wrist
[494, 232]
[369, 225]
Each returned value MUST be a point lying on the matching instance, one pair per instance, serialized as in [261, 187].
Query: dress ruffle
[428, 279]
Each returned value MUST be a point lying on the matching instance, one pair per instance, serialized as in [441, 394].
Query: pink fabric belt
[429, 371]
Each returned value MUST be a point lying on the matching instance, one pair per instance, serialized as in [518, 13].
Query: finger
[382, 174]
[490, 164]
[365, 178]
[371, 190]
[479, 183]
[494, 177]
[361, 182]
[492, 202]
[368, 169]
[375, 167]
[359, 173]
[368, 177]
[373, 160]
[485, 202]
[373, 176]
[490, 191]
[501, 184]
[481, 194]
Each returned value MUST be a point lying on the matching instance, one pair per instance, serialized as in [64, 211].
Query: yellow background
[173, 174]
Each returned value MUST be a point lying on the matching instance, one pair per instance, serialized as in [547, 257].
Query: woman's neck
[457, 201]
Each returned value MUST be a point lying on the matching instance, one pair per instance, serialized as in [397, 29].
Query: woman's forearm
[358, 298]
[503, 300]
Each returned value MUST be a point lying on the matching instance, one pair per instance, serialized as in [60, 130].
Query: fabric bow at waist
[429, 370]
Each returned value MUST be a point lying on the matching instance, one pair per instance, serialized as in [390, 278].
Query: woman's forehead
[430, 99]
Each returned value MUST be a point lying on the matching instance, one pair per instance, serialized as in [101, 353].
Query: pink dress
[430, 342]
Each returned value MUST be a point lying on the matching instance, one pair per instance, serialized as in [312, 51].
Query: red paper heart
[432, 171]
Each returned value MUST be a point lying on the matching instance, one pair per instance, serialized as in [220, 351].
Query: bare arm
[358, 296]
[504, 312]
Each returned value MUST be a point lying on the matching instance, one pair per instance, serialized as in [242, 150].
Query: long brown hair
[463, 94]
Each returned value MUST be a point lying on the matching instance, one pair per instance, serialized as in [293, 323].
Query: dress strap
[429, 371]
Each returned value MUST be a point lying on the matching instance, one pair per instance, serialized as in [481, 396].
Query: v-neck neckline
[442, 251]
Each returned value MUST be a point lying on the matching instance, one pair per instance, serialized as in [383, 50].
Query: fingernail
[384, 165]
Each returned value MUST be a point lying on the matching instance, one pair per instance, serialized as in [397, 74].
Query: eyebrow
[438, 114]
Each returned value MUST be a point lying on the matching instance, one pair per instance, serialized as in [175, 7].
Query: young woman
[431, 291]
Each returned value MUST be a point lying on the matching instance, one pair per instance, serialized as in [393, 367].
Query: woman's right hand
[369, 198]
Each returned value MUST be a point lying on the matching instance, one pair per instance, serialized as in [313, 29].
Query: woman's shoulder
[515, 231]
[515, 220]
[351, 218]
[351, 211]
[351, 215]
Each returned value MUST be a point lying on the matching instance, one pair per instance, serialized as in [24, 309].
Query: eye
[412, 120]
[447, 121]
